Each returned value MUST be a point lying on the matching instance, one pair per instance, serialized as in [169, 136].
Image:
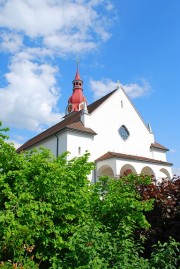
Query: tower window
[122, 103]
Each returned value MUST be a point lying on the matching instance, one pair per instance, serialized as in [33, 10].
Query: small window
[122, 103]
[79, 150]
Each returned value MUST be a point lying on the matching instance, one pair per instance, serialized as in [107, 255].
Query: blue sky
[134, 41]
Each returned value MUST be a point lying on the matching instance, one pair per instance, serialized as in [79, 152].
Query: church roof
[158, 146]
[80, 127]
[111, 155]
[70, 122]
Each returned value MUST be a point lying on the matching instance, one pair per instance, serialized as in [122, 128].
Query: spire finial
[77, 77]
[118, 84]
[77, 62]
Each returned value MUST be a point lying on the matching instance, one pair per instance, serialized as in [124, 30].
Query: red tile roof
[110, 155]
[71, 121]
[158, 146]
[80, 127]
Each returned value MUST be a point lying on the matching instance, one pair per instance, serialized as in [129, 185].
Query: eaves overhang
[121, 156]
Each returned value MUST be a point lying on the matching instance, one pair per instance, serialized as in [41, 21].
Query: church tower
[77, 100]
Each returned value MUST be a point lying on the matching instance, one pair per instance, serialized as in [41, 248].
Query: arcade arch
[164, 173]
[105, 170]
[127, 168]
[147, 171]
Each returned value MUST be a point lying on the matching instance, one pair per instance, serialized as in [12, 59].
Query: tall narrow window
[122, 103]
[79, 150]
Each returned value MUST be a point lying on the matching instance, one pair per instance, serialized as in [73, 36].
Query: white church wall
[78, 143]
[62, 143]
[106, 121]
[49, 143]
[159, 155]
[86, 119]
[56, 143]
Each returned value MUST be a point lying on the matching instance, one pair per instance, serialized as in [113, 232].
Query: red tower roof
[77, 77]
[77, 100]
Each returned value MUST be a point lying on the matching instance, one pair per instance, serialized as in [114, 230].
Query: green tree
[42, 200]
[165, 215]
[52, 217]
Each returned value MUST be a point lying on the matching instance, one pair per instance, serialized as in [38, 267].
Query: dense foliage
[165, 215]
[52, 217]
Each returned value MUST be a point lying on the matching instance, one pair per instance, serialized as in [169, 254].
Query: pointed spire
[77, 77]
[77, 100]
[77, 82]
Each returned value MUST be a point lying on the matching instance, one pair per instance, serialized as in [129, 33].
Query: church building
[111, 130]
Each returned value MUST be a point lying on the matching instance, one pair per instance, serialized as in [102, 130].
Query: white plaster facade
[105, 120]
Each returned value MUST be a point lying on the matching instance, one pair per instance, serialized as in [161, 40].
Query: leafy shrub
[52, 217]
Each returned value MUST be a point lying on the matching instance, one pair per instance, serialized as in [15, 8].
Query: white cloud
[11, 42]
[31, 96]
[69, 43]
[59, 24]
[102, 87]
[18, 140]
[15, 143]
[134, 90]
[34, 31]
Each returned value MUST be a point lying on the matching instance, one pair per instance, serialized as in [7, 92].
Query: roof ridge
[93, 106]
[112, 153]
